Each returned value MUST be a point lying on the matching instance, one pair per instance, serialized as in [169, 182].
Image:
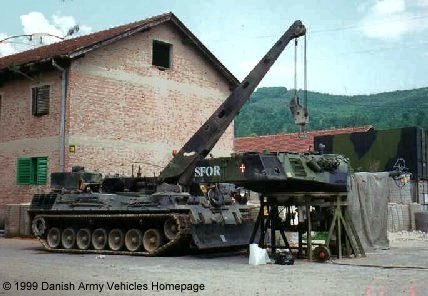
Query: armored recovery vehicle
[131, 216]
[151, 216]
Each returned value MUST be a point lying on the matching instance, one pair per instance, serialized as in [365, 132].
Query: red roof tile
[67, 47]
[70, 47]
[289, 142]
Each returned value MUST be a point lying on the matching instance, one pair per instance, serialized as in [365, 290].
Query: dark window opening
[0, 107]
[32, 170]
[40, 100]
[161, 55]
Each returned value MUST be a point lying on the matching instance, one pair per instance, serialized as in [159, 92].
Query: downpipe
[64, 74]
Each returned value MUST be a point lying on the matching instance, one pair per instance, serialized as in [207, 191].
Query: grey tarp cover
[368, 207]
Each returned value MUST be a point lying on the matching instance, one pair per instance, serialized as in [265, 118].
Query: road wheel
[152, 240]
[99, 238]
[54, 237]
[68, 238]
[170, 228]
[83, 239]
[115, 239]
[133, 239]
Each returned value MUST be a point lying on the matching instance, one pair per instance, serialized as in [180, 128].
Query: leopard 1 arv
[129, 217]
[157, 215]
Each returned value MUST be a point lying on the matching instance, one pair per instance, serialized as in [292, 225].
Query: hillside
[267, 111]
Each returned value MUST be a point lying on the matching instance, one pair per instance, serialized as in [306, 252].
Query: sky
[353, 46]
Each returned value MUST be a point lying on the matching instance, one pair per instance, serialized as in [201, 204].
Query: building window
[161, 55]
[0, 106]
[40, 97]
[32, 170]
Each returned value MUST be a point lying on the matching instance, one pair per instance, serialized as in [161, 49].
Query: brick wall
[22, 134]
[124, 110]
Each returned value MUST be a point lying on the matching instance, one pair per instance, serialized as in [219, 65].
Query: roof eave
[118, 37]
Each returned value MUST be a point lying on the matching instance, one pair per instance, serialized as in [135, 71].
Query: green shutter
[41, 170]
[24, 174]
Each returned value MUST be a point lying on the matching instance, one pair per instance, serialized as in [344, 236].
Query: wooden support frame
[341, 223]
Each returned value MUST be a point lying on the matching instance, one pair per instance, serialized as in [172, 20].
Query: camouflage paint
[276, 172]
[376, 151]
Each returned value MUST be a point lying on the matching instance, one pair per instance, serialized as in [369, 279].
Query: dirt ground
[401, 270]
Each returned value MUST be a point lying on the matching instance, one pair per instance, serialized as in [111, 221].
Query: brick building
[129, 94]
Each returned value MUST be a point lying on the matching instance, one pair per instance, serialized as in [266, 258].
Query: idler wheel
[170, 228]
[152, 240]
[83, 239]
[99, 238]
[38, 226]
[133, 239]
[68, 238]
[115, 239]
[54, 237]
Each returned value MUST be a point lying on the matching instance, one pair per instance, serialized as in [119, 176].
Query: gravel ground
[401, 270]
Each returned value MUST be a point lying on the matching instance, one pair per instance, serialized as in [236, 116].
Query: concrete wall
[22, 134]
[120, 110]
[17, 221]
[401, 210]
[123, 109]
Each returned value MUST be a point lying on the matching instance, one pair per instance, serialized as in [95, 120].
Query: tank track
[182, 239]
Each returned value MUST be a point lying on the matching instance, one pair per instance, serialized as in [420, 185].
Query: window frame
[170, 57]
[33, 109]
[32, 170]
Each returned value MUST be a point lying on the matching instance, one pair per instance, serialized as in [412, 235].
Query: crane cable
[305, 72]
[304, 108]
[295, 67]
[305, 77]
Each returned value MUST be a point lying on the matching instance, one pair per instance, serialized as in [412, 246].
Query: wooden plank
[354, 231]
[309, 230]
[330, 231]
[339, 228]
[350, 235]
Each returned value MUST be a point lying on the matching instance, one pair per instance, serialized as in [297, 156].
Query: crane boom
[180, 168]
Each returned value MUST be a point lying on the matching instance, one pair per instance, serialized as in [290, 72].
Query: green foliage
[267, 111]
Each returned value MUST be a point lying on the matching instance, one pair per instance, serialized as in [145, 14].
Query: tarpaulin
[368, 206]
